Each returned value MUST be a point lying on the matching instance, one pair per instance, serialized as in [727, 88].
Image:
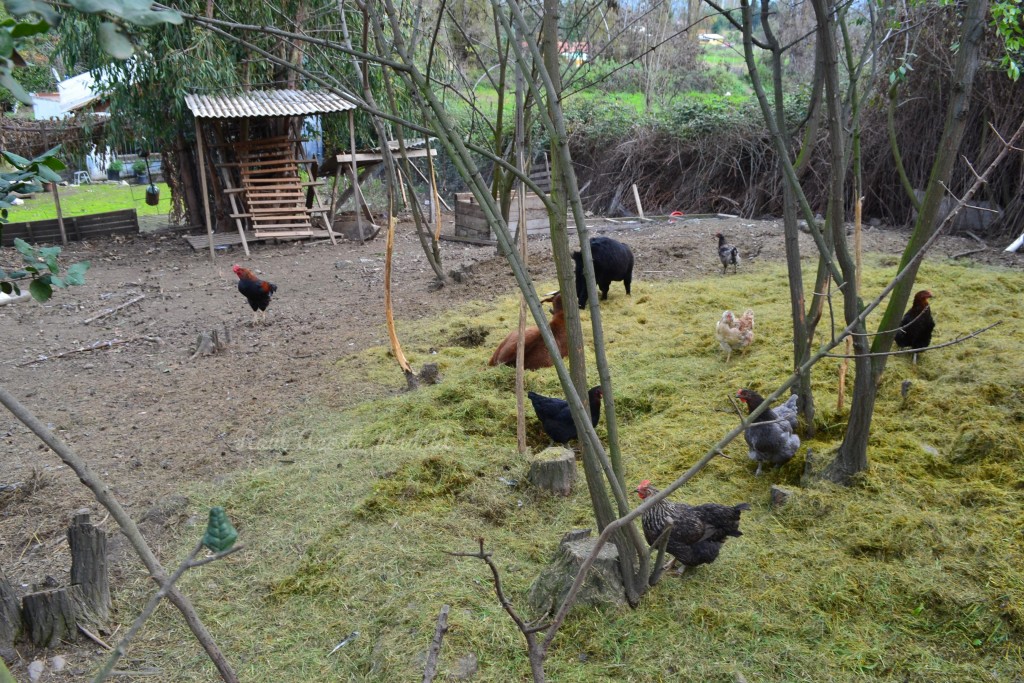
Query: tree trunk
[563, 184]
[186, 166]
[851, 456]
[565, 267]
[798, 306]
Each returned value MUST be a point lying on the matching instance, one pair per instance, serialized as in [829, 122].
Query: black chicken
[555, 417]
[917, 324]
[727, 254]
[256, 291]
[770, 438]
[698, 531]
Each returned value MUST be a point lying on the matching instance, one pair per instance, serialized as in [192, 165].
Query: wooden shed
[250, 148]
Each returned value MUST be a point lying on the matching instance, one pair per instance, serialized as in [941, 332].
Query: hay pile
[912, 575]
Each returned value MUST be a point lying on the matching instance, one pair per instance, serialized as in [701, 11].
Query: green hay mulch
[914, 574]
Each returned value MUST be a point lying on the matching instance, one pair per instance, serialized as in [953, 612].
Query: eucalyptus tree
[837, 82]
[871, 359]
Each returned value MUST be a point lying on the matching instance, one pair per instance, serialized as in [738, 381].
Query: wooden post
[60, 216]
[202, 187]
[10, 617]
[89, 564]
[356, 194]
[433, 191]
[225, 182]
[334, 191]
[401, 186]
[639, 207]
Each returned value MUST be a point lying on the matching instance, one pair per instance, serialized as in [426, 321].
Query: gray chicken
[698, 531]
[728, 254]
[770, 438]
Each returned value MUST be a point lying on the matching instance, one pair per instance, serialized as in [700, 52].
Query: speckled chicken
[734, 334]
[770, 438]
[728, 254]
[698, 531]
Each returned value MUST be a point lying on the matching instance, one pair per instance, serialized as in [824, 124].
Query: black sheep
[612, 261]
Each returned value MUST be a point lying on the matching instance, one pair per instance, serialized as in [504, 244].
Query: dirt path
[152, 422]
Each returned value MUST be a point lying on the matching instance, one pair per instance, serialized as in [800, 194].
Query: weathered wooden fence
[125, 222]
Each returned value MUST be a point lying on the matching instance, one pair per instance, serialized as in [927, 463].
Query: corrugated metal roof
[266, 103]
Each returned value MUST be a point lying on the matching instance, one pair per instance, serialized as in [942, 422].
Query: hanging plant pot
[152, 195]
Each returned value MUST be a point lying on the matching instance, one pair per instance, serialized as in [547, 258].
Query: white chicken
[734, 334]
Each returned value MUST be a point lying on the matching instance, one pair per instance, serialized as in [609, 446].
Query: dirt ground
[152, 421]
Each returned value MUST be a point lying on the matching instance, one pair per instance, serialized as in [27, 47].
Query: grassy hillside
[912, 575]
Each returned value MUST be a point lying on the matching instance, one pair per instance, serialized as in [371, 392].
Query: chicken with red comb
[256, 291]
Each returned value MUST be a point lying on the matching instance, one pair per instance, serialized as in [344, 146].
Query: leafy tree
[1008, 20]
[29, 19]
[40, 265]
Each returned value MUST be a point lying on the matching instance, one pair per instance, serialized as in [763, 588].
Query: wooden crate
[124, 222]
[471, 222]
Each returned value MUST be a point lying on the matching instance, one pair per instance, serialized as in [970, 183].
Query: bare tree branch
[902, 352]
[106, 499]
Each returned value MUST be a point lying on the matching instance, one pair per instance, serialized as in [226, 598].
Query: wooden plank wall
[125, 222]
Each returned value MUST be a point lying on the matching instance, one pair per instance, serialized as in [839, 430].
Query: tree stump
[10, 618]
[779, 495]
[430, 374]
[209, 343]
[53, 615]
[603, 585]
[89, 565]
[554, 470]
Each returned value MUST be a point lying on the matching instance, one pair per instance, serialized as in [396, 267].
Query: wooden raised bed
[471, 222]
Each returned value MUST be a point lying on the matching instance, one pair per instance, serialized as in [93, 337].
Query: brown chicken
[535, 353]
[916, 327]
